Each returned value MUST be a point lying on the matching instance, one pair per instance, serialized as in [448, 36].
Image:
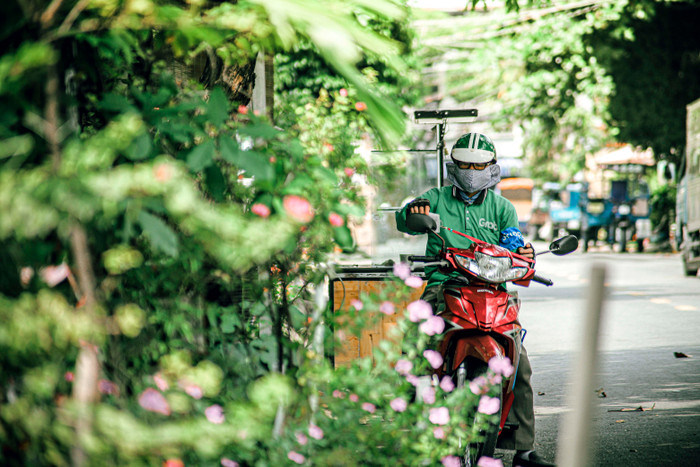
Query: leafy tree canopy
[574, 75]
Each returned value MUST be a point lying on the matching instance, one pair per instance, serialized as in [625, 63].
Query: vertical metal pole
[440, 152]
[574, 448]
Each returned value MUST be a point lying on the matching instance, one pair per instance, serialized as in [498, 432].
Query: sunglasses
[474, 165]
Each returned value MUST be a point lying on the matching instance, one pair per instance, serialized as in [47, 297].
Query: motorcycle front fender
[482, 347]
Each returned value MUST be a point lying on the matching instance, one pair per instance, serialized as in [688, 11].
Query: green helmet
[474, 147]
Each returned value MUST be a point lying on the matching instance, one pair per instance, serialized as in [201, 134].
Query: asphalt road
[647, 409]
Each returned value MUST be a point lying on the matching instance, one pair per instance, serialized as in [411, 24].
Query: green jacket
[491, 218]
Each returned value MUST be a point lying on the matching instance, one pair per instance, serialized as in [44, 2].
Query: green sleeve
[510, 216]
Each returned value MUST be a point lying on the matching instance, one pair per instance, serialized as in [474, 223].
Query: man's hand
[419, 206]
[527, 251]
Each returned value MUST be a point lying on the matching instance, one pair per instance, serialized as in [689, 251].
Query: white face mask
[470, 180]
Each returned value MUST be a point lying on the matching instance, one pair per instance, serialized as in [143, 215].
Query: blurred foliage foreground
[162, 248]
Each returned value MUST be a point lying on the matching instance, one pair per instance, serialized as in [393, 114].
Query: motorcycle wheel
[474, 451]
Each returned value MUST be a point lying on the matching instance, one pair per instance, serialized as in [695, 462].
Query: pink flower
[260, 210]
[446, 384]
[301, 438]
[387, 308]
[173, 463]
[215, 414]
[501, 366]
[479, 385]
[25, 275]
[398, 404]
[242, 109]
[433, 325]
[439, 415]
[495, 379]
[368, 407]
[69, 376]
[349, 171]
[489, 462]
[438, 432]
[296, 457]
[336, 220]
[193, 390]
[433, 357]
[54, 275]
[315, 432]
[354, 398]
[225, 462]
[153, 401]
[413, 282]
[298, 208]
[413, 379]
[428, 395]
[328, 147]
[360, 106]
[107, 387]
[489, 405]
[338, 394]
[450, 461]
[418, 310]
[343, 92]
[160, 382]
[403, 366]
[356, 304]
[402, 270]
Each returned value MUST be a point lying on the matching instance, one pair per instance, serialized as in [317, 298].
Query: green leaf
[161, 236]
[345, 209]
[260, 130]
[217, 107]
[255, 164]
[140, 148]
[179, 132]
[326, 174]
[116, 103]
[298, 318]
[229, 323]
[201, 156]
[215, 182]
[343, 238]
[299, 184]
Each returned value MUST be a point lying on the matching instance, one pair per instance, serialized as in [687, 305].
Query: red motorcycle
[481, 316]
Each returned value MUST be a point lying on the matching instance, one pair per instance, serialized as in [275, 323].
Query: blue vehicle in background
[620, 217]
[565, 212]
[596, 221]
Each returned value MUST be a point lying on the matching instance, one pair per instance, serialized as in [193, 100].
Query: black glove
[419, 203]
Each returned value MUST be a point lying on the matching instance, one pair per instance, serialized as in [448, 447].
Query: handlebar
[437, 261]
[423, 259]
[542, 280]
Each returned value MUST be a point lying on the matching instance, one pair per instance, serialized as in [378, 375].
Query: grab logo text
[488, 224]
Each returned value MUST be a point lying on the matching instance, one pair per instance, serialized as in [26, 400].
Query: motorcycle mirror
[420, 223]
[564, 246]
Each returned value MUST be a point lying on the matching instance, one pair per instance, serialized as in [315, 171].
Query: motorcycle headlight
[492, 268]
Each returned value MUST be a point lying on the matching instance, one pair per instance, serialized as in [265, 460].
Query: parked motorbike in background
[482, 317]
[622, 224]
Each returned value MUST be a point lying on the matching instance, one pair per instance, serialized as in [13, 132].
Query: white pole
[574, 448]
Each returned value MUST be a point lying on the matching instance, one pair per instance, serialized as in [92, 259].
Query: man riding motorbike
[469, 206]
